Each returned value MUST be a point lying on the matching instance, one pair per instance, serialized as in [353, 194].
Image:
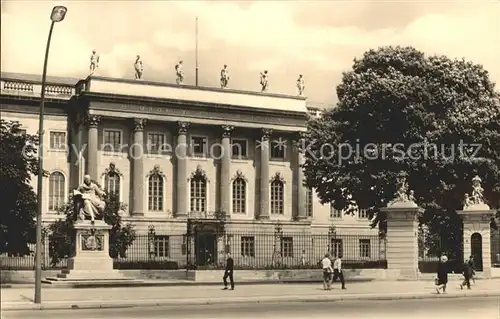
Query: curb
[240, 300]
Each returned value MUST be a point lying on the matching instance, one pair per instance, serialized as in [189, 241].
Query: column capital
[227, 130]
[92, 120]
[139, 124]
[266, 133]
[182, 127]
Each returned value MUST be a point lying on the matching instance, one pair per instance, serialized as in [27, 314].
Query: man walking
[326, 264]
[472, 266]
[467, 272]
[229, 272]
[337, 271]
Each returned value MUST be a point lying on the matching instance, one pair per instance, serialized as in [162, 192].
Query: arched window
[112, 179]
[198, 190]
[57, 192]
[277, 195]
[155, 189]
[239, 193]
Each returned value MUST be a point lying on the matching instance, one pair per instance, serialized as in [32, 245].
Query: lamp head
[58, 13]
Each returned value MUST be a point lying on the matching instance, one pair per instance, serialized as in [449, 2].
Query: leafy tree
[18, 205]
[399, 95]
[62, 232]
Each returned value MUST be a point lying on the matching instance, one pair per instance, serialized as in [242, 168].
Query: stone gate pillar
[402, 233]
[476, 216]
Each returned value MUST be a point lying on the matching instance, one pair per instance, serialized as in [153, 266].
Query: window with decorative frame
[57, 191]
[239, 188]
[248, 246]
[364, 248]
[156, 184]
[277, 195]
[198, 190]
[335, 213]
[162, 246]
[309, 202]
[112, 180]
[286, 248]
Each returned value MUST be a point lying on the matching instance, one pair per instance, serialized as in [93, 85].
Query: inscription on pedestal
[92, 241]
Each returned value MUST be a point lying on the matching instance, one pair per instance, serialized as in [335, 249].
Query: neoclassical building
[175, 152]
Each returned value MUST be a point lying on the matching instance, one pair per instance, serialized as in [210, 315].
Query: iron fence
[431, 248]
[495, 247]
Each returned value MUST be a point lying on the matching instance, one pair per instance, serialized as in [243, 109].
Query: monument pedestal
[402, 240]
[91, 262]
[477, 236]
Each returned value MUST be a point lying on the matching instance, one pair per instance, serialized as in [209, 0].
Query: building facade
[175, 153]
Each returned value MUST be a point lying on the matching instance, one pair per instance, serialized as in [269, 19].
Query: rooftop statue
[264, 82]
[224, 77]
[94, 62]
[139, 68]
[301, 85]
[179, 73]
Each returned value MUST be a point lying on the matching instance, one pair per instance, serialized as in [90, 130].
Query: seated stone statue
[89, 202]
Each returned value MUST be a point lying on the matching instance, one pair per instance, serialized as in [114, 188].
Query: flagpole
[196, 53]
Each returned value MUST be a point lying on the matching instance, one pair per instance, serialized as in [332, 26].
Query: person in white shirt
[326, 264]
[337, 271]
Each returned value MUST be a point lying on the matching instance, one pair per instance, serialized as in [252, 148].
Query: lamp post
[57, 15]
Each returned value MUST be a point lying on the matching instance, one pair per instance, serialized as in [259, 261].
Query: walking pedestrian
[326, 265]
[442, 275]
[472, 266]
[467, 272]
[338, 273]
[229, 272]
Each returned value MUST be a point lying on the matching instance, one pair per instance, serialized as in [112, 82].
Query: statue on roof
[224, 77]
[94, 62]
[477, 191]
[301, 85]
[264, 81]
[139, 68]
[179, 73]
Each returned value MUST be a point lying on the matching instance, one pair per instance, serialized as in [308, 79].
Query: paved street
[444, 308]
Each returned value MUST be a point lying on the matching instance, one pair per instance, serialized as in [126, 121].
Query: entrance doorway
[476, 247]
[206, 248]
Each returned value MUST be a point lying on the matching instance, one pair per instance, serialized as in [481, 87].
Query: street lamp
[57, 15]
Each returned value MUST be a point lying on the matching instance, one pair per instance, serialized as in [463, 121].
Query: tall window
[239, 194]
[309, 202]
[198, 191]
[335, 213]
[56, 191]
[248, 246]
[286, 247]
[57, 140]
[199, 145]
[337, 246]
[156, 142]
[364, 248]
[162, 246]
[277, 196]
[155, 190]
[278, 148]
[112, 180]
[112, 140]
[239, 148]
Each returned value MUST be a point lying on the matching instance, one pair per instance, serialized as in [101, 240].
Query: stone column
[301, 190]
[264, 173]
[477, 220]
[402, 240]
[92, 122]
[137, 152]
[225, 170]
[181, 155]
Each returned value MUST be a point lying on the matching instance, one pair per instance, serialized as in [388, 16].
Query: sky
[318, 39]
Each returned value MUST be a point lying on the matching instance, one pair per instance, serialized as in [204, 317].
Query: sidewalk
[21, 299]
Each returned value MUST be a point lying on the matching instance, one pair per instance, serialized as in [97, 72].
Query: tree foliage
[399, 95]
[62, 232]
[18, 205]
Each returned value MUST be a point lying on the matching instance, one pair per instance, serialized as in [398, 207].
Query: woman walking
[442, 275]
